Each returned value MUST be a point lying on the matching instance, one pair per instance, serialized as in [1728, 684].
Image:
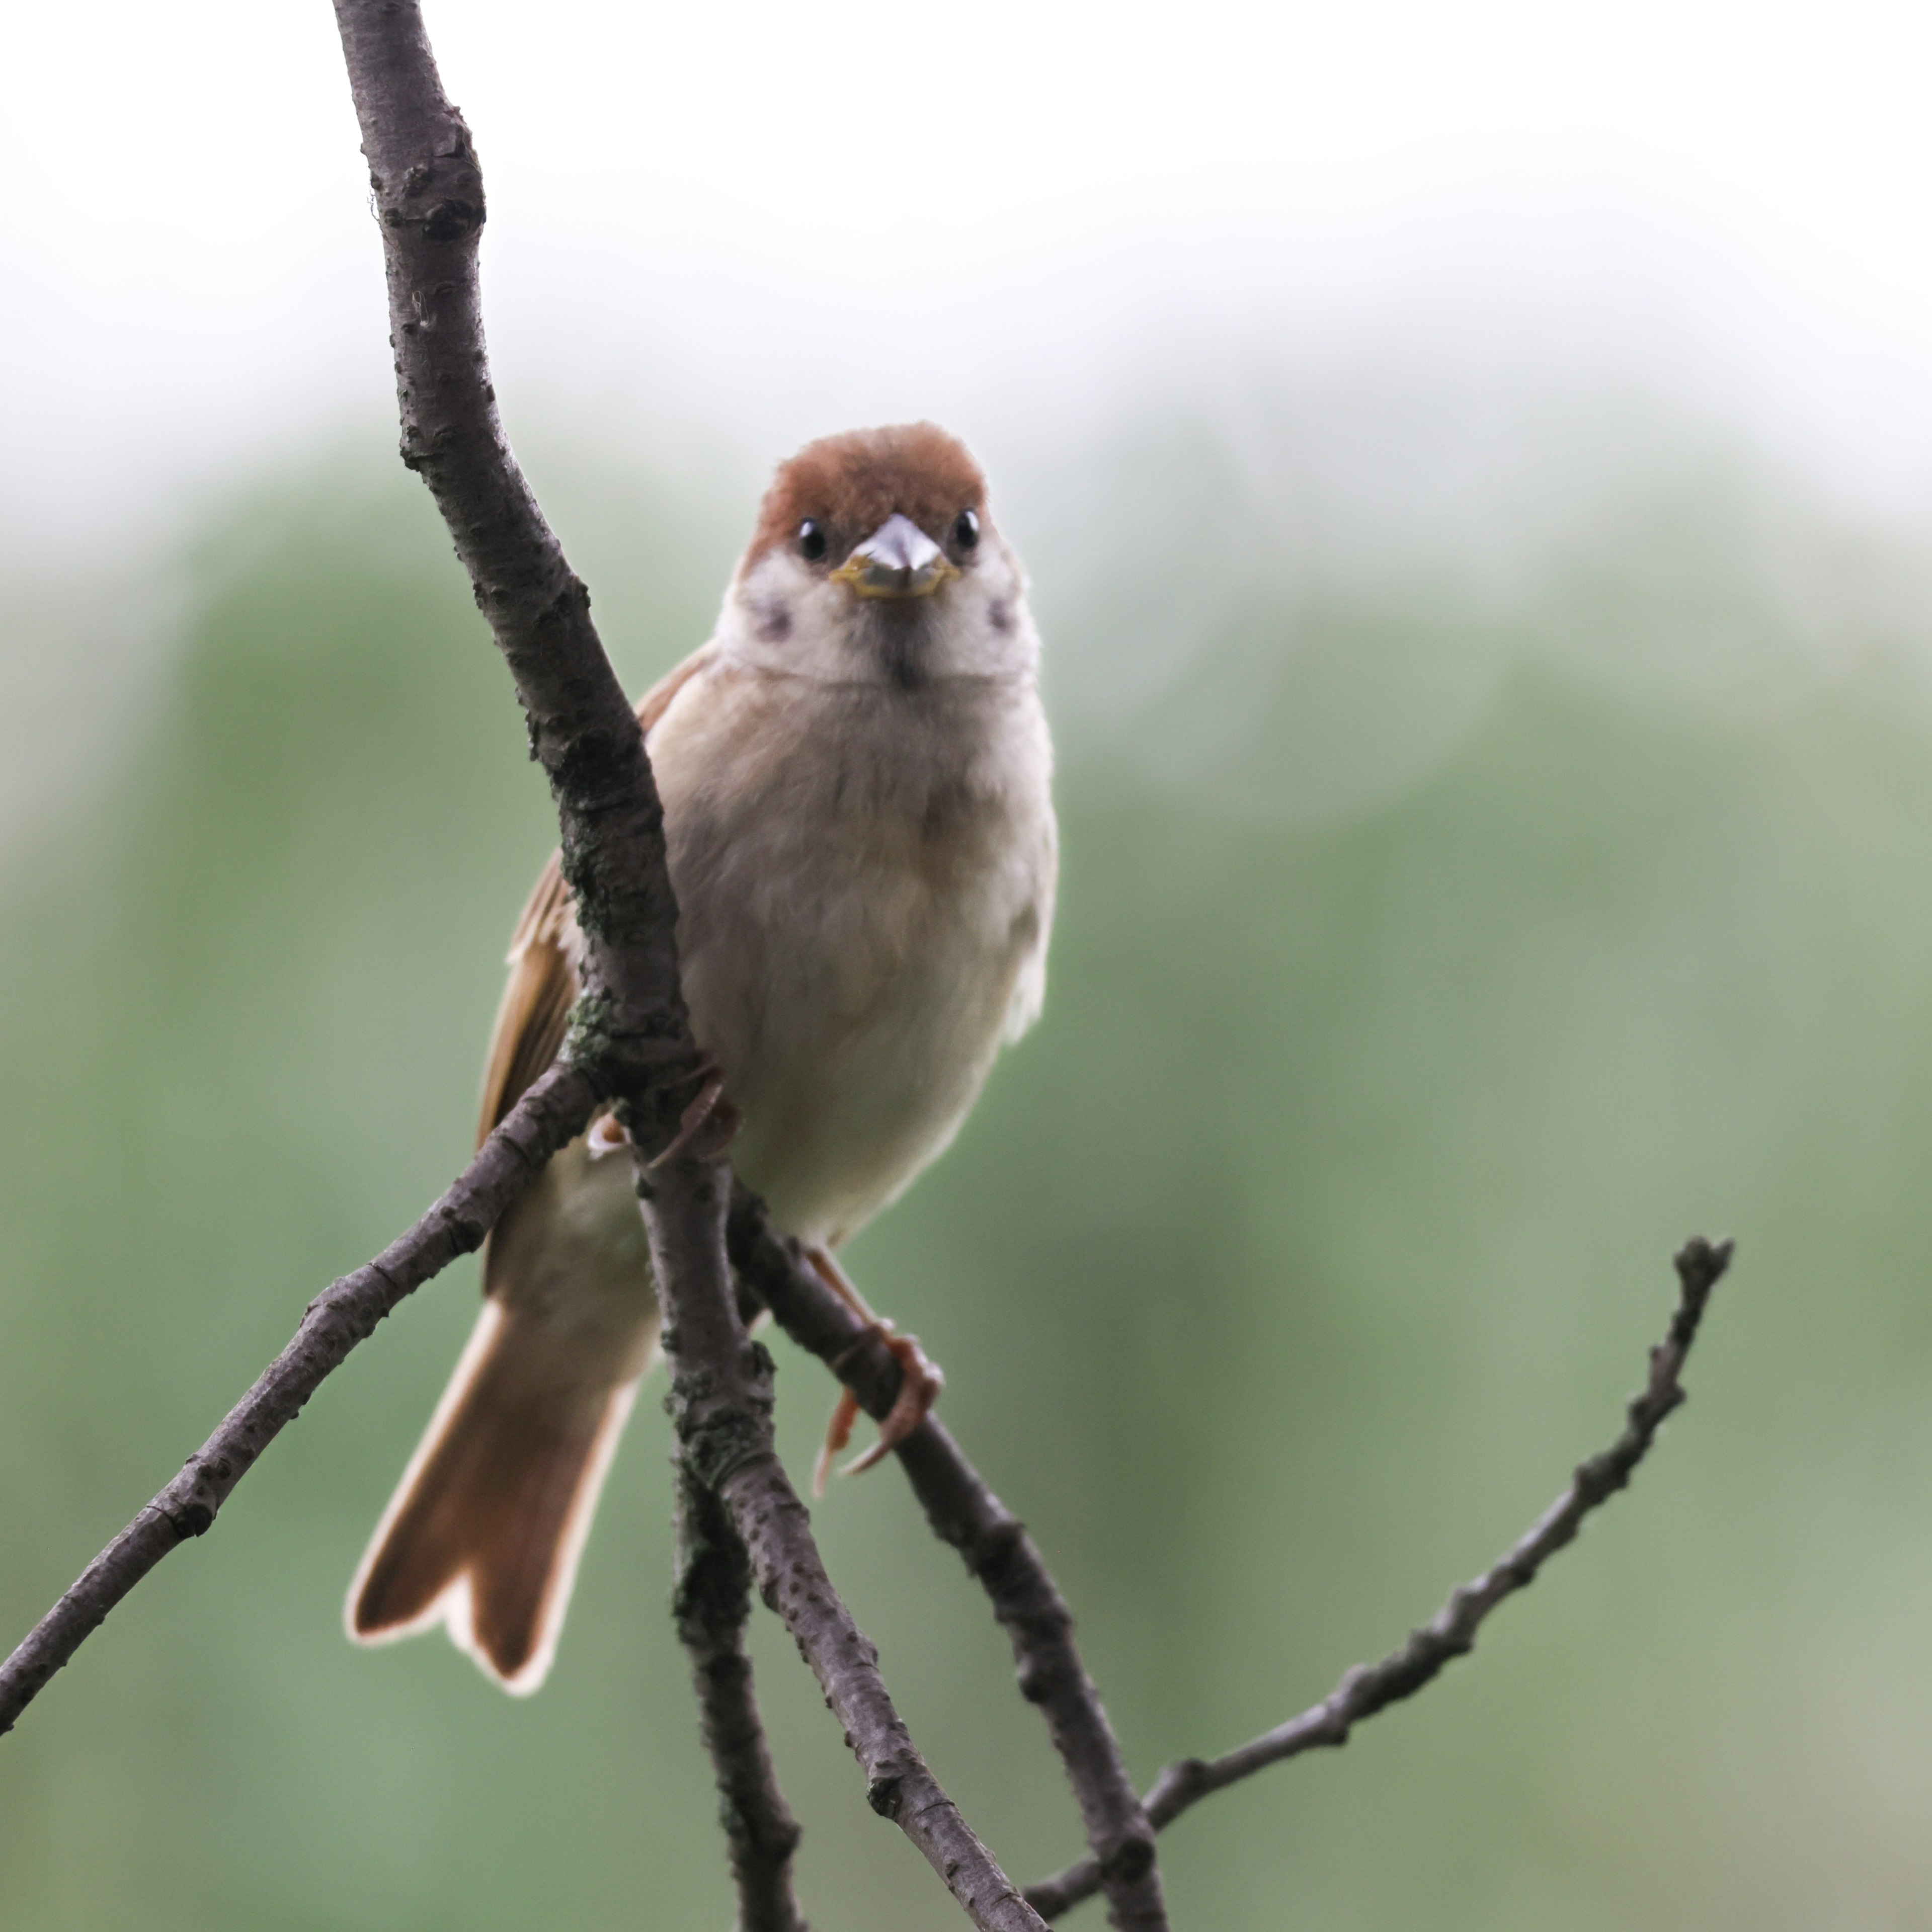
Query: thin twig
[1451, 1633]
[553, 1111]
[966, 1514]
[721, 1407]
[713, 1603]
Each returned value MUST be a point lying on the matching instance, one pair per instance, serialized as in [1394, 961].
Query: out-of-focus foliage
[1449, 928]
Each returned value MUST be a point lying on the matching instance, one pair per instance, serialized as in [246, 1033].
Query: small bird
[856, 779]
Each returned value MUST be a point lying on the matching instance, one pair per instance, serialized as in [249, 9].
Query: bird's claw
[920, 1382]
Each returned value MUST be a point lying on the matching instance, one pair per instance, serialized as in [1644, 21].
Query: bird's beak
[899, 559]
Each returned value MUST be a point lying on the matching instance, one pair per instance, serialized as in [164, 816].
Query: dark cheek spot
[1000, 615]
[774, 624]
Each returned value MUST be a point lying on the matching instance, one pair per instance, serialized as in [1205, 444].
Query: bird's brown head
[874, 558]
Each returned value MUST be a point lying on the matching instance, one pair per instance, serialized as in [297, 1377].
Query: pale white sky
[756, 221]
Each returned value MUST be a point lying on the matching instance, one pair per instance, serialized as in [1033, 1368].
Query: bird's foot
[920, 1382]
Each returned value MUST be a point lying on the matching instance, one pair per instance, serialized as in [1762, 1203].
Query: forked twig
[993, 1542]
[1451, 1633]
[428, 188]
[722, 1407]
[740, 1519]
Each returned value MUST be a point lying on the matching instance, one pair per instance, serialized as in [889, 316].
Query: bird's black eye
[966, 530]
[810, 540]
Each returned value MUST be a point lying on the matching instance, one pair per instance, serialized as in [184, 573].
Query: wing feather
[543, 984]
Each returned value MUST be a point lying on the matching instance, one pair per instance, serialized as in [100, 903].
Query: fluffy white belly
[864, 917]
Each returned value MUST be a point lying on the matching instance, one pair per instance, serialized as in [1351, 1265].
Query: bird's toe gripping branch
[920, 1381]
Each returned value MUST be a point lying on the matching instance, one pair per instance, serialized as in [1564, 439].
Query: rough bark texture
[996, 1549]
[428, 193]
[553, 1112]
[1451, 1632]
[722, 1408]
[713, 1603]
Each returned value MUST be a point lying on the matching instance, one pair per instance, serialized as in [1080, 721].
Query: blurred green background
[1454, 918]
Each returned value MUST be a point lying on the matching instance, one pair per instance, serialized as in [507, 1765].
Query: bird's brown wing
[543, 984]
[537, 1000]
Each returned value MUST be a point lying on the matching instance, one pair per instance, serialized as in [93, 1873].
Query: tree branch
[428, 193]
[1003, 1559]
[713, 1603]
[630, 1041]
[721, 1407]
[1451, 1633]
[632, 1027]
[554, 1111]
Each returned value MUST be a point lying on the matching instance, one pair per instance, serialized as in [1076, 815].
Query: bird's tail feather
[484, 1530]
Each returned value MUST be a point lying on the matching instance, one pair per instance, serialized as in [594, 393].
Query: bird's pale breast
[865, 877]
